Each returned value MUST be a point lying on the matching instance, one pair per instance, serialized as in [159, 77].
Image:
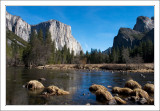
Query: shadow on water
[76, 82]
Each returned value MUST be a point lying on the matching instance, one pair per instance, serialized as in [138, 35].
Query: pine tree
[40, 35]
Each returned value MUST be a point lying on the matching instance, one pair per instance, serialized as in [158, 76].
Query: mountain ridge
[60, 32]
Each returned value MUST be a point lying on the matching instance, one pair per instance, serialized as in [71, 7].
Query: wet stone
[142, 101]
[112, 102]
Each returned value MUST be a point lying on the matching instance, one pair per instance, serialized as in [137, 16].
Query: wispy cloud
[60, 12]
[86, 45]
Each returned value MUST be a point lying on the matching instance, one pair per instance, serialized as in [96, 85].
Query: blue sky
[92, 26]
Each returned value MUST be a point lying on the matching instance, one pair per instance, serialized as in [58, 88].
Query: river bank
[145, 67]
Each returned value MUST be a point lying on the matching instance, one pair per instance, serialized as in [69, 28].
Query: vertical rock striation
[18, 26]
[60, 32]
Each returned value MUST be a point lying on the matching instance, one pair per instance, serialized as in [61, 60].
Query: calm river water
[76, 82]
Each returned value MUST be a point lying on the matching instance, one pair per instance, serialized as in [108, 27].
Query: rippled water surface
[76, 82]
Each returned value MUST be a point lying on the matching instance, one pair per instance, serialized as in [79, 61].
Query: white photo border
[80, 3]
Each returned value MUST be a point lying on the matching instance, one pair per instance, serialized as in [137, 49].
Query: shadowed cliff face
[127, 37]
[143, 30]
[60, 32]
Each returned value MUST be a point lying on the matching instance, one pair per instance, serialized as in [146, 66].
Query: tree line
[140, 53]
[41, 50]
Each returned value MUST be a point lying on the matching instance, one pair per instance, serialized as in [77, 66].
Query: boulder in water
[103, 95]
[96, 87]
[122, 91]
[54, 90]
[132, 84]
[34, 84]
[140, 93]
[149, 88]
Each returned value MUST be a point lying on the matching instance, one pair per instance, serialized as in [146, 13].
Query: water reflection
[76, 82]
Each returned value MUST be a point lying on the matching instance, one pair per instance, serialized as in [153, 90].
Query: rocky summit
[142, 31]
[18, 26]
[144, 24]
[60, 32]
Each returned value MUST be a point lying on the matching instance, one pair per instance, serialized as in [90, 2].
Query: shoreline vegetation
[144, 67]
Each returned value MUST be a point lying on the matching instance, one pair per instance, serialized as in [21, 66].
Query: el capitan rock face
[18, 26]
[60, 32]
[144, 24]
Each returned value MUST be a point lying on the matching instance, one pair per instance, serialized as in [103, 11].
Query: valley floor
[145, 67]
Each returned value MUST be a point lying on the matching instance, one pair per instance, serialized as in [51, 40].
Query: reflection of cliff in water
[15, 93]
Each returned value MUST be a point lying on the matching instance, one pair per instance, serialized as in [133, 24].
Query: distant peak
[144, 24]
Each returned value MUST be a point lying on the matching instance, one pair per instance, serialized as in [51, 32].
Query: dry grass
[145, 67]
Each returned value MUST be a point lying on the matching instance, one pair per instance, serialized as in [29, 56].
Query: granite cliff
[18, 26]
[60, 32]
[143, 30]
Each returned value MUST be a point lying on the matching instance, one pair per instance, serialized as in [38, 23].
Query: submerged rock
[132, 84]
[112, 102]
[150, 101]
[88, 104]
[35, 92]
[96, 87]
[34, 84]
[142, 101]
[54, 90]
[134, 98]
[149, 88]
[41, 79]
[123, 91]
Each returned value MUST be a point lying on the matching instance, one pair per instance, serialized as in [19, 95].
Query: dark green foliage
[40, 35]
[41, 52]
[144, 52]
[14, 49]
[96, 57]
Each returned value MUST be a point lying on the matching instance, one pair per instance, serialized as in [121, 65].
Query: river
[76, 82]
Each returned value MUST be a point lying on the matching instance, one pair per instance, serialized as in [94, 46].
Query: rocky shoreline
[148, 67]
